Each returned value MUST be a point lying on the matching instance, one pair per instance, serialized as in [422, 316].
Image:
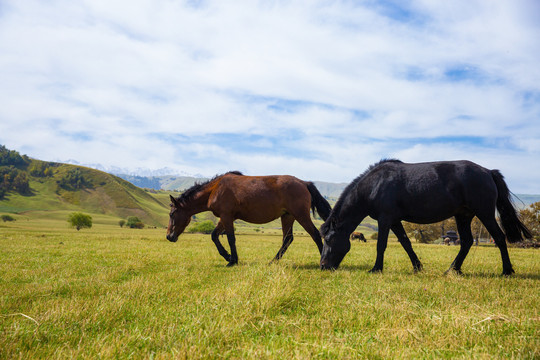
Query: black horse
[391, 191]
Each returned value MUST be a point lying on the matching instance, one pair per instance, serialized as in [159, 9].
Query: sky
[315, 89]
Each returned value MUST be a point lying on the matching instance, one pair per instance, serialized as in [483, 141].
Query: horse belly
[433, 211]
[260, 215]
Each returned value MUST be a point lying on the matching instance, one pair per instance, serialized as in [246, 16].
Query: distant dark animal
[255, 199]
[358, 235]
[392, 191]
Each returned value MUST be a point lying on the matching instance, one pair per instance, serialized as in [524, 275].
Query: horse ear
[173, 201]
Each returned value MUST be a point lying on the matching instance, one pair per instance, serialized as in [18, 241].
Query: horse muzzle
[325, 265]
[171, 237]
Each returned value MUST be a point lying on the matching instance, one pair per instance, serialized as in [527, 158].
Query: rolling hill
[60, 187]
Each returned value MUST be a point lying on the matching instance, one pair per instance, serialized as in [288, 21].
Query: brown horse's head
[178, 220]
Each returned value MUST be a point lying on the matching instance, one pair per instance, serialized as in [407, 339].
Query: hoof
[418, 267]
[232, 263]
[508, 272]
[375, 271]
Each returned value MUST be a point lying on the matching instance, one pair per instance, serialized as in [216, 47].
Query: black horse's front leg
[382, 240]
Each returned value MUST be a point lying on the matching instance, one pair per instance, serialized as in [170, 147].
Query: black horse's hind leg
[382, 240]
[215, 238]
[500, 240]
[399, 231]
[287, 221]
[466, 241]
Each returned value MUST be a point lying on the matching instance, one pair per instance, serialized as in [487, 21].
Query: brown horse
[255, 199]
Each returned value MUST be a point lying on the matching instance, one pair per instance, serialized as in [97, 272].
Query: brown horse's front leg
[215, 238]
[232, 243]
[229, 230]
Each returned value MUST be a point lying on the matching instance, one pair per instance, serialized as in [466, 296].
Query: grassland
[108, 292]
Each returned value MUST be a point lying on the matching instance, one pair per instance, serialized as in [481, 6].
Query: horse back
[429, 192]
[258, 198]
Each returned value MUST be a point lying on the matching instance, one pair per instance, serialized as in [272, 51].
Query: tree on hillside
[79, 220]
[11, 157]
[20, 183]
[40, 169]
[73, 180]
[12, 179]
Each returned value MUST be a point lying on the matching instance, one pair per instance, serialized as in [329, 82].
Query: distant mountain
[169, 182]
[330, 190]
[138, 172]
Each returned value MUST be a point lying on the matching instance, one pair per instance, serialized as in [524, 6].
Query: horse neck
[350, 214]
[198, 203]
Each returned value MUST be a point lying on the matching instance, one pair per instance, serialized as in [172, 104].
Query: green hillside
[29, 185]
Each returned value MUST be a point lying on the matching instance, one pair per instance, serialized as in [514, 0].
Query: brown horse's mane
[190, 193]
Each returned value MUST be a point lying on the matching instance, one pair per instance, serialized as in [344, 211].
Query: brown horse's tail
[318, 202]
[514, 229]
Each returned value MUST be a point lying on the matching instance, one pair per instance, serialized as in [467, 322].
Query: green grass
[108, 292]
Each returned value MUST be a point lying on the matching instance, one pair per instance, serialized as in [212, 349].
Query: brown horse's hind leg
[215, 238]
[308, 225]
[287, 221]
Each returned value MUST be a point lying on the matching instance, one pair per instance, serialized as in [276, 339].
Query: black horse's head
[178, 220]
[336, 245]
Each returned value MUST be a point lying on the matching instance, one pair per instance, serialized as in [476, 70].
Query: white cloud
[326, 87]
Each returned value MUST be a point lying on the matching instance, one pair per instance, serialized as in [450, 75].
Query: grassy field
[121, 293]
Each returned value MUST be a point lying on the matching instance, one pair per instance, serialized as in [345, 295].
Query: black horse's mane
[189, 193]
[349, 188]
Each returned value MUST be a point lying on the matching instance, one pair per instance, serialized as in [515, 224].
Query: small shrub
[134, 222]
[122, 223]
[203, 227]
[7, 218]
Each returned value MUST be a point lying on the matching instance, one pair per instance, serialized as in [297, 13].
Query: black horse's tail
[318, 202]
[514, 229]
